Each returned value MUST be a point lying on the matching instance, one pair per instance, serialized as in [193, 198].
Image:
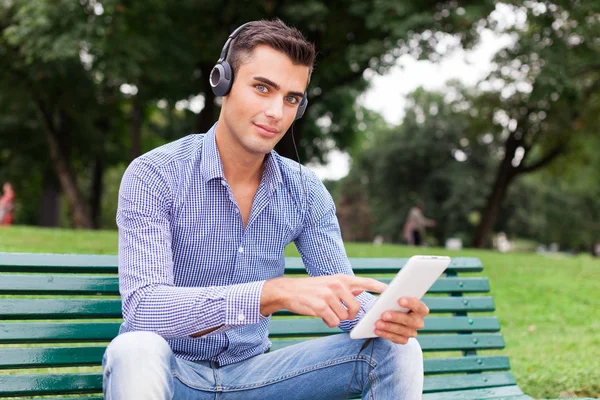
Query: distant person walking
[414, 227]
[7, 203]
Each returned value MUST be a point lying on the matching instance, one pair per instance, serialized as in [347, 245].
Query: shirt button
[223, 182]
[241, 249]
[241, 317]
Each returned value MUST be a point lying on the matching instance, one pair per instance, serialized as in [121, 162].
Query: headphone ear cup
[221, 78]
[301, 107]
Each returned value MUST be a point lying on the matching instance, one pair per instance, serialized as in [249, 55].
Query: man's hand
[399, 326]
[319, 296]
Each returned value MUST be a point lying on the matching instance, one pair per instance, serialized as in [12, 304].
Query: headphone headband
[228, 42]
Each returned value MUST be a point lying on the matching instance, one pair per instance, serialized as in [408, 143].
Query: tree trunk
[206, 117]
[81, 219]
[50, 202]
[506, 173]
[96, 198]
[136, 127]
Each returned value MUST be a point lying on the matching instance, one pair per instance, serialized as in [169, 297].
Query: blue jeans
[141, 365]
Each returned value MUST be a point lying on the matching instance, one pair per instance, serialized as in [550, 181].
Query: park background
[497, 131]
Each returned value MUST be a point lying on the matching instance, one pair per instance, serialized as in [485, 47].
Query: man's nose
[275, 108]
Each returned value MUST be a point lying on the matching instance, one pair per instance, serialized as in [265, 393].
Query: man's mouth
[266, 130]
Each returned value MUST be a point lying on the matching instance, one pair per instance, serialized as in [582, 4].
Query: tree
[429, 158]
[93, 71]
[551, 82]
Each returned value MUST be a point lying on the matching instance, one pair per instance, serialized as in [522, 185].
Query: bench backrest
[58, 313]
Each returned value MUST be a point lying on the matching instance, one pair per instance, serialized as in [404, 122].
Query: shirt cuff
[242, 304]
[366, 301]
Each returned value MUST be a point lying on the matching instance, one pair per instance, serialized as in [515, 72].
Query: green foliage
[561, 204]
[445, 153]
[429, 158]
[63, 64]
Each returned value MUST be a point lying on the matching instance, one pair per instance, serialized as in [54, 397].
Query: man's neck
[239, 167]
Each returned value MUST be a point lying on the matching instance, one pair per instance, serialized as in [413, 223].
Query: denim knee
[400, 358]
[139, 348]
[138, 365]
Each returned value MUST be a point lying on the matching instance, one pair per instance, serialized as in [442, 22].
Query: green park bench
[58, 313]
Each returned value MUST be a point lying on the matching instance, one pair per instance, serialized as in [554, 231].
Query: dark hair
[275, 34]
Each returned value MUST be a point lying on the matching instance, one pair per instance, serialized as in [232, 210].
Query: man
[414, 227]
[203, 223]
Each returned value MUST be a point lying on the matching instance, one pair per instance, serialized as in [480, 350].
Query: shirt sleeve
[151, 301]
[320, 241]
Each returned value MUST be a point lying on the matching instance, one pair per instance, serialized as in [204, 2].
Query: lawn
[545, 304]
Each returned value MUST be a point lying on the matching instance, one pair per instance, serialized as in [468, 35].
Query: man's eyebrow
[276, 86]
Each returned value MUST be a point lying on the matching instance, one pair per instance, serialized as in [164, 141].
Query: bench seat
[58, 313]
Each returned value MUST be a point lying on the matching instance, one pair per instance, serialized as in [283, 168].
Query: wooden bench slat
[447, 304]
[111, 308]
[469, 381]
[59, 308]
[86, 263]
[39, 332]
[27, 332]
[106, 332]
[58, 284]
[459, 304]
[388, 265]
[40, 384]
[478, 341]
[109, 285]
[507, 392]
[458, 285]
[41, 357]
[313, 326]
[466, 364]
[483, 341]
[71, 398]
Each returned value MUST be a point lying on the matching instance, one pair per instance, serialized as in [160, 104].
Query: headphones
[221, 76]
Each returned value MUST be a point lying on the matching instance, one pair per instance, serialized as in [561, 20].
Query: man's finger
[396, 329]
[329, 317]
[392, 337]
[338, 308]
[410, 320]
[370, 284]
[415, 305]
[351, 303]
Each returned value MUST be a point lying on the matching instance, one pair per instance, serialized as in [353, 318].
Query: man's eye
[292, 99]
[261, 88]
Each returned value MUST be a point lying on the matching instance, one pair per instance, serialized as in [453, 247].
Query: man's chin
[258, 148]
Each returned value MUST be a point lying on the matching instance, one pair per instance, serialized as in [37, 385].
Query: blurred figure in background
[7, 202]
[414, 227]
[596, 250]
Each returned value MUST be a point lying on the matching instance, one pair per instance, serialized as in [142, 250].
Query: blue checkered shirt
[186, 263]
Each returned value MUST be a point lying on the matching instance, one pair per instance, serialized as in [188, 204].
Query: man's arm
[322, 250]
[323, 296]
[151, 301]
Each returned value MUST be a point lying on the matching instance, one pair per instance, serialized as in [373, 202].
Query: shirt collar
[212, 167]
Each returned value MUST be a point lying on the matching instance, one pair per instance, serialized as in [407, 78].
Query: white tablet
[413, 280]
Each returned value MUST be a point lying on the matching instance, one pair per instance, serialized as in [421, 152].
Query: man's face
[263, 100]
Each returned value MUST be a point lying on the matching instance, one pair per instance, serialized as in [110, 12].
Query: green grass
[545, 305]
